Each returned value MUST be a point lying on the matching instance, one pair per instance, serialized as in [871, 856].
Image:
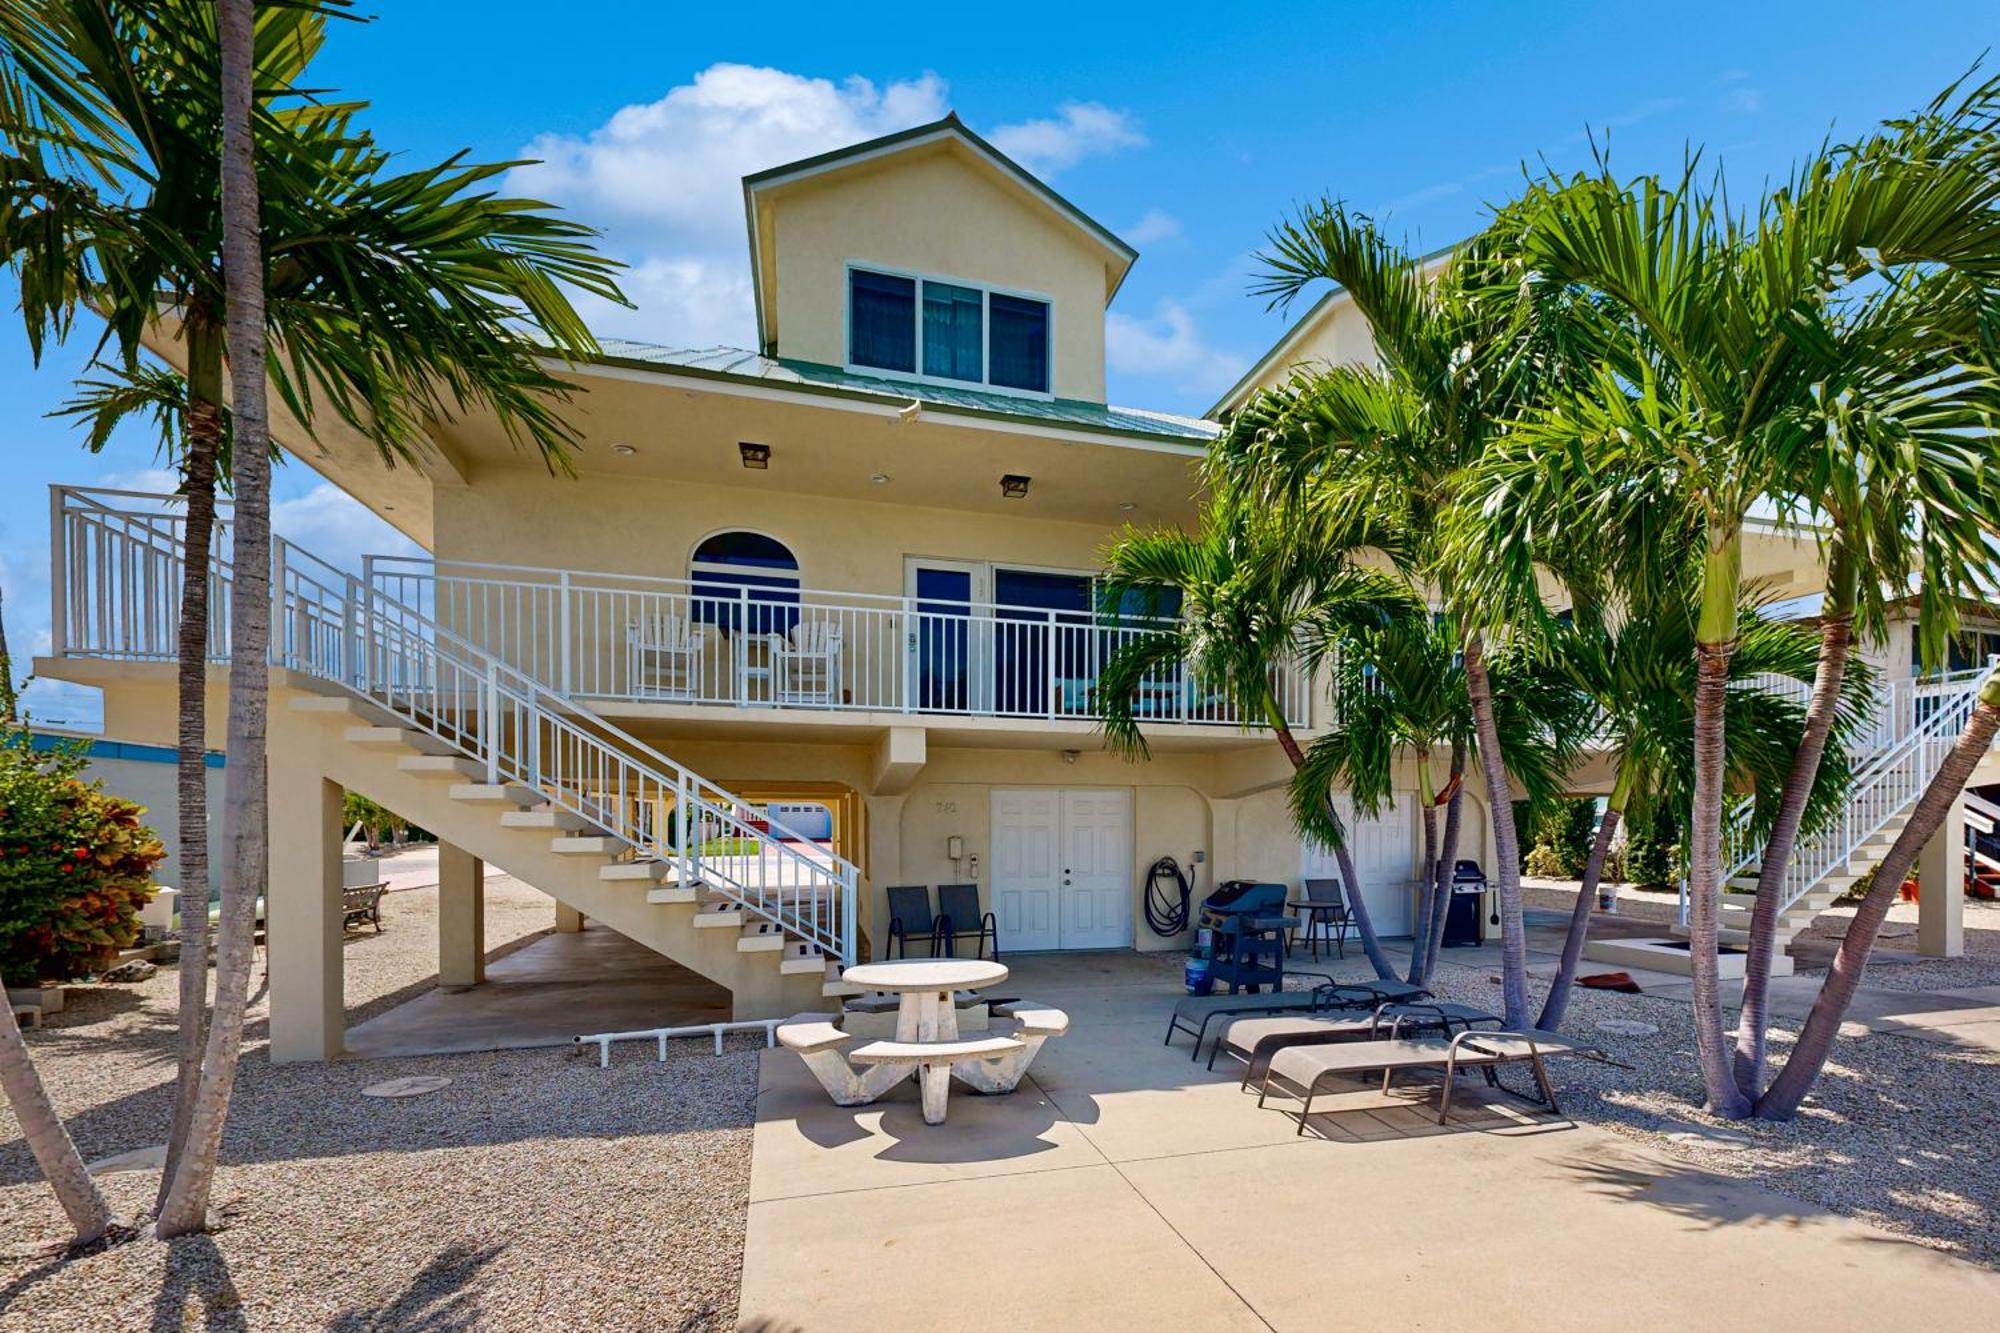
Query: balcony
[636, 639]
[632, 640]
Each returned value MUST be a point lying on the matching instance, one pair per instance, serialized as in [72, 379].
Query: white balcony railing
[626, 637]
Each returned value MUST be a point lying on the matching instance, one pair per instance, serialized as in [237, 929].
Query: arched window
[744, 578]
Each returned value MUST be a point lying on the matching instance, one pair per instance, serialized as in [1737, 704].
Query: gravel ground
[537, 1191]
[1897, 1133]
[1979, 967]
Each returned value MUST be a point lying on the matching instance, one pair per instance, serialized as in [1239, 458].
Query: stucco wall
[941, 217]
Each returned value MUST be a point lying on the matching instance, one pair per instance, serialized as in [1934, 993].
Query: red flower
[63, 869]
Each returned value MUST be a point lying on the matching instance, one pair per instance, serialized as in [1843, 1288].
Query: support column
[568, 920]
[1941, 888]
[461, 917]
[302, 910]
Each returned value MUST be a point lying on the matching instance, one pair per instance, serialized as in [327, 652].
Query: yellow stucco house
[849, 569]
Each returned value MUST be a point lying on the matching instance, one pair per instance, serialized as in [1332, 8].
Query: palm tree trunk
[1506, 839]
[1715, 641]
[1447, 863]
[1357, 905]
[245, 811]
[1557, 1004]
[1836, 638]
[54, 1152]
[1816, 1039]
[1426, 900]
[191, 758]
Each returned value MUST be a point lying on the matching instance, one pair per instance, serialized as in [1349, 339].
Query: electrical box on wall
[954, 848]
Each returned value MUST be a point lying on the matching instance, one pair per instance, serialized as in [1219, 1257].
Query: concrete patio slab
[1046, 1250]
[543, 995]
[1566, 1229]
[1125, 1186]
[810, 1146]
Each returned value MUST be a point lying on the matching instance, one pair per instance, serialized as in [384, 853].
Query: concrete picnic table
[926, 1016]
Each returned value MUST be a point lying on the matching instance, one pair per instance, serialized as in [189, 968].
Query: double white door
[1385, 854]
[1062, 868]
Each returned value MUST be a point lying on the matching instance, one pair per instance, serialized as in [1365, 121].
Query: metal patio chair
[959, 916]
[910, 918]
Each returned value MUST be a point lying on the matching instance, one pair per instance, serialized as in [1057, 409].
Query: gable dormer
[929, 255]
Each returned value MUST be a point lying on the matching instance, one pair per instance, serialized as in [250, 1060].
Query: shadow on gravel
[196, 1270]
[442, 1298]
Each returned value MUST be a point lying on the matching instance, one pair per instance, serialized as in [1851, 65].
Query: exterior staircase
[522, 776]
[1915, 725]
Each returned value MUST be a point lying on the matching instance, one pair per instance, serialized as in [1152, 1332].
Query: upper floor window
[952, 330]
[745, 580]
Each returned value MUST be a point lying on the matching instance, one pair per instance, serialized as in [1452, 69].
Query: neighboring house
[853, 568]
[146, 775]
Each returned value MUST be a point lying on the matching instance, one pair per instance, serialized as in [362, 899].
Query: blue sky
[1188, 135]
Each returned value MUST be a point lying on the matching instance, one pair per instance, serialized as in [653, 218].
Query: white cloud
[330, 524]
[664, 181]
[1154, 226]
[1079, 130]
[1169, 345]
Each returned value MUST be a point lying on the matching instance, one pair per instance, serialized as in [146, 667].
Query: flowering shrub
[76, 865]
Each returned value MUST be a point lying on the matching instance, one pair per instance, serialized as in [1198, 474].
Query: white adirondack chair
[664, 656]
[805, 667]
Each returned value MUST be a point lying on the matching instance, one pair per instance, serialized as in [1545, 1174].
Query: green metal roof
[813, 377]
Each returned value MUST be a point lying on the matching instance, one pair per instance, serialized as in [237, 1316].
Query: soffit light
[755, 455]
[879, 478]
[623, 450]
[1014, 486]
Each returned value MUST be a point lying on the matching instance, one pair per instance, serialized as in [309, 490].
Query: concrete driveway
[1124, 1187]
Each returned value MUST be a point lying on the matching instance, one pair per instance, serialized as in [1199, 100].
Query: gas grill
[1243, 924]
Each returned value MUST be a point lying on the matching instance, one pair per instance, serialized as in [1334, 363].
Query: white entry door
[1062, 868]
[1385, 855]
[1027, 876]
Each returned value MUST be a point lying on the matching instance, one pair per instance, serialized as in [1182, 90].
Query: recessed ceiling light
[1014, 486]
[1127, 507]
[623, 450]
[879, 478]
[388, 509]
[754, 455]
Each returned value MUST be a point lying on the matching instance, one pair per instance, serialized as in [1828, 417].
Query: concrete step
[441, 766]
[650, 872]
[838, 989]
[761, 937]
[588, 845]
[710, 919]
[671, 894]
[802, 959]
[510, 794]
[391, 737]
[564, 820]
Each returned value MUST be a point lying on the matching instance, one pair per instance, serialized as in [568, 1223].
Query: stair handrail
[1835, 842]
[439, 681]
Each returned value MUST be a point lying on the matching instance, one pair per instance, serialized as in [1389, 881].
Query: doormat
[1618, 981]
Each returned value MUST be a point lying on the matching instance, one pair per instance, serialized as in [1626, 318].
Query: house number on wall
[946, 807]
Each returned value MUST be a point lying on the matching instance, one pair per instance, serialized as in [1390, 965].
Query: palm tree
[1393, 444]
[1233, 606]
[1400, 691]
[1781, 1100]
[394, 297]
[245, 809]
[1637, 667]
[1729, 394]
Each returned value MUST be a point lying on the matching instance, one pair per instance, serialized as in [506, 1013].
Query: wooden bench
[362, 902]
[934, 1062]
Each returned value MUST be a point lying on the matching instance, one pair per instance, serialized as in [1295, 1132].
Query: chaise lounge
[1307, 1069]
[1255, 1041]
[1194, 1013]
